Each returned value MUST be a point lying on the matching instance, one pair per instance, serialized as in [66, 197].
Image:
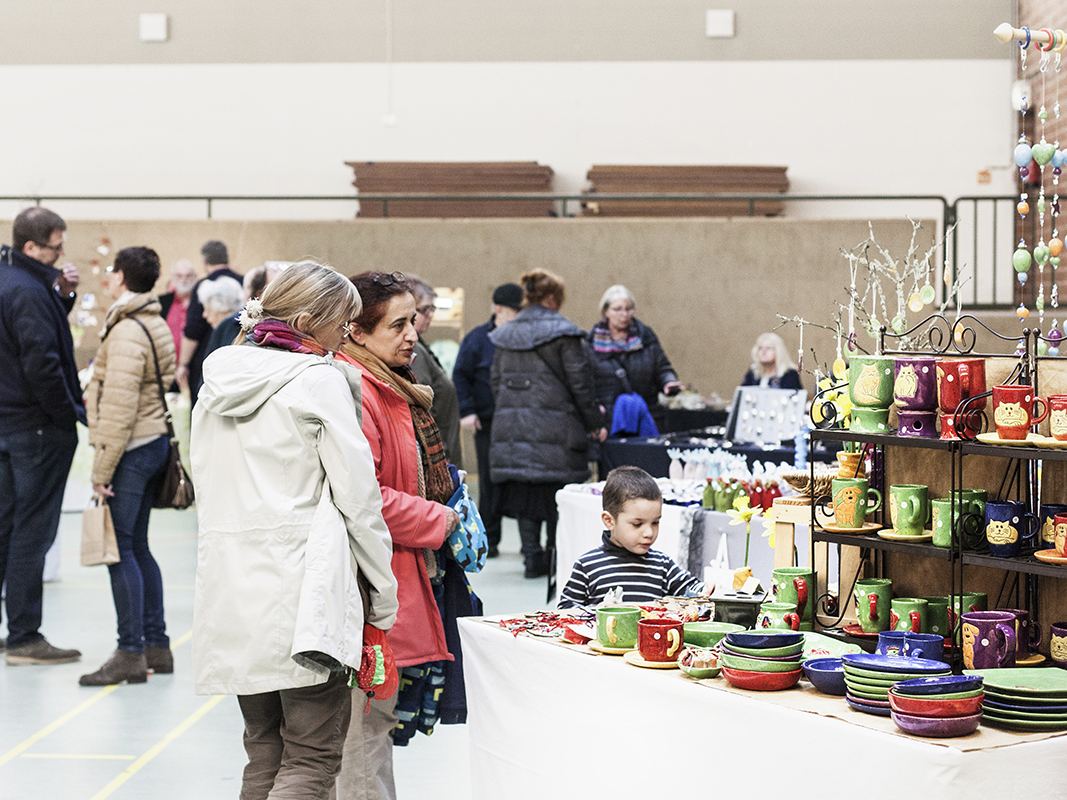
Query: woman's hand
[601, 434]
[451, 520]
[102, 491]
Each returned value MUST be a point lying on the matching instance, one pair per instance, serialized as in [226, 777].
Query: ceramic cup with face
[795, 586]
[1027, 636]
[988, 640]
[870, 381]
[869, 420]
[778, 615]
[908, 614]
[1048, 514]
[915, 383]
[873, 598]
[852, 498]
[659, 639]
[1057, 644]
[890, 643]
[1007, 525]
[909, 508]
[1057, 416]
[924, 645]
[616, 626]
[1014, 410]
[917, 423]
[959, 379]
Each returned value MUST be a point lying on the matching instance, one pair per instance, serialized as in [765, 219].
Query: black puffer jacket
[545, 399]
[646, 370]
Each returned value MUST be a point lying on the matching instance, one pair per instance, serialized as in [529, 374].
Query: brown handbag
[175, 488]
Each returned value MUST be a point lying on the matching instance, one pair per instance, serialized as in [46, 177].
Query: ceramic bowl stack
[949, 705]
[764, 660]
[1024, 699]
[868, 678]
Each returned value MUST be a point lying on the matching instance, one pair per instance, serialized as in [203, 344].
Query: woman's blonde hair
[308, 296]
[540, 284]
[782, 362]
[613, 293]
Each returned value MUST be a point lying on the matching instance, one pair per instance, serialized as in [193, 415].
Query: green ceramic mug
[795, 586]
[616, 626]
[852, 498]
[778, 615]
[869, 420]
[937, 616]
[943, 521]
[973, 601]
[870, 381]
[908, 614]
[873, 598]
[909, 508]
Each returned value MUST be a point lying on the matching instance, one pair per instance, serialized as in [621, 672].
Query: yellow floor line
[158, 748]
[182, 640]
[73, 755]
[47, 729]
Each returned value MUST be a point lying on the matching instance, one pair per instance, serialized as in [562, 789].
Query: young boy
[632, 507]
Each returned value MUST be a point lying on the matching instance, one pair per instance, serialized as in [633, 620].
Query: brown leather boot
[160, 660]
[124, 665]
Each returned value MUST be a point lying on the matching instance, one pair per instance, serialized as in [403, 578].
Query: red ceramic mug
[1057, 416]
[1013, 410]
[958, 379]
[659, 639]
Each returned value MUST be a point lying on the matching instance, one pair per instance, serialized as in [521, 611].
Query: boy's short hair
[628, 483]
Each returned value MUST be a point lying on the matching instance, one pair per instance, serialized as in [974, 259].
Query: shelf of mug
[887, 439]
[875, 542]
[1025, 563]
[1013, 451]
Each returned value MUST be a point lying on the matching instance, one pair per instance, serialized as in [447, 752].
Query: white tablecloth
[580, 529]
[548, 722]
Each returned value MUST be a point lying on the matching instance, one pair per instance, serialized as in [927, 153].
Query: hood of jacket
[239, 379]
[130, 305]
[532, 327]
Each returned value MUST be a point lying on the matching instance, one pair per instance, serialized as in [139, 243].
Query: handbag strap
[159, 378]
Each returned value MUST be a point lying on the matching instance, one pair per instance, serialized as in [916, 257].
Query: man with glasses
[40, 402]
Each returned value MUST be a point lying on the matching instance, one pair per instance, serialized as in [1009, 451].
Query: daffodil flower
[743, 513]
[769, 527]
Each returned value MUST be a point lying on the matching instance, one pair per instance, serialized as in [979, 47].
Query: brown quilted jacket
[122, 399]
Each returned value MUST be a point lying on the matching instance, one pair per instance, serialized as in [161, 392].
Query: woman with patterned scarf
[415, 482]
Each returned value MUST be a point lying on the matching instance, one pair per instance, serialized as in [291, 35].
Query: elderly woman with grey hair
[628, 355]
[221, 298]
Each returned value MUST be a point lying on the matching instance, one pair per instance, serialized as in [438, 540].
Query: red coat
[414, 522]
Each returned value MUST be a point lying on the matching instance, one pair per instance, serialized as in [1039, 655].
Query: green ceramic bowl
[768, 652]
[874, 683]
[893, 676]
[756, 665]
[707, 634]
[866, 692]
[700, 673]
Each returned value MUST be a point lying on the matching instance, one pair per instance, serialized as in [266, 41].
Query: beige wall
[282, 31]
[707, 287]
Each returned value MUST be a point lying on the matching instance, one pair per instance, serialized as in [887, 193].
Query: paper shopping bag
[99, 545]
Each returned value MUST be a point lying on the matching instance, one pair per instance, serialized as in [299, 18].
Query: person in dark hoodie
[40, 402]
[546, 403]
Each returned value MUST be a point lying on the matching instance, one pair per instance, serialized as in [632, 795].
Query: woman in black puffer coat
[542, 380]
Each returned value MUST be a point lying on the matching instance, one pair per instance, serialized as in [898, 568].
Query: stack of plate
[764, 660]
[1024, 699]
[949, 705]
[868, 678]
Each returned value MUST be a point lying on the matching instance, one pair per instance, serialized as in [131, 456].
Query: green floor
[159, 740]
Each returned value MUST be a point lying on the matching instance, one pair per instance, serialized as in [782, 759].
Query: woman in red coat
[415, 482]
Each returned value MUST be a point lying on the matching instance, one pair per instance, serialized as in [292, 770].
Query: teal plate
[819, 645]
[1023, 681]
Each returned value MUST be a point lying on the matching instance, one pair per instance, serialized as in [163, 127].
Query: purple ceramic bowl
[937, 727]
[868, 707]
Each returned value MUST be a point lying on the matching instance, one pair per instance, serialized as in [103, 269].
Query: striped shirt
[642, 577]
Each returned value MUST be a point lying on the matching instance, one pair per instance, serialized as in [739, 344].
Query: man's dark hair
[35, 224]
[139, 267]
[625, 484]
[215, 253]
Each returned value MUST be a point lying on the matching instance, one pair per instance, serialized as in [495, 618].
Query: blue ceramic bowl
[769, 637]
[941, 684]
[826, 674]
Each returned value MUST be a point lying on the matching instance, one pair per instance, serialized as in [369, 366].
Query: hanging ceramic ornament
[1042, 347]
[1055, 336]
[900, 324]
[1022, 312]
[927, 295]
[1042, 152]
[1023, 153]
[840, 371]
[1021, 258]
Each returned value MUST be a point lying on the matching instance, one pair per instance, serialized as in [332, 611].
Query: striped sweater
[642, 577]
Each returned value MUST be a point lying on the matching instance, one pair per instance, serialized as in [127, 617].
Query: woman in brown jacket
[128, 431]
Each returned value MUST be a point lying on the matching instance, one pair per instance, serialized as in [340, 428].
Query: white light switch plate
[154, 27]
[719, 23]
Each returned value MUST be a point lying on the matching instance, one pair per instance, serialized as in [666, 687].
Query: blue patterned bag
[467, 542]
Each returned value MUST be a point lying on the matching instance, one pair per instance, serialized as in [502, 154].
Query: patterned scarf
[603, 343]
[275, 333]
[435, 482]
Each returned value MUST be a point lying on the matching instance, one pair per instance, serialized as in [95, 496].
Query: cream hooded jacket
[289, 512]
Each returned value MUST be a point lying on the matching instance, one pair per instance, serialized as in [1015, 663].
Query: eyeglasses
[382, 279]
[427, 310]
[347, 328]
[58, 248]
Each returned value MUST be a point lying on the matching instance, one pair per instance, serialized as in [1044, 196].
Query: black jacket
[198, 329]
[645, 370]
[471, 373]
[38, 376]
[545, 399]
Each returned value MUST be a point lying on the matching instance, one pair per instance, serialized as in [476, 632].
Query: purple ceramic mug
[915, 383]
[988, 639]
[1027, 636]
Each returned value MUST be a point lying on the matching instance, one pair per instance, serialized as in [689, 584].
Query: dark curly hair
[139, 267]
[377, 289]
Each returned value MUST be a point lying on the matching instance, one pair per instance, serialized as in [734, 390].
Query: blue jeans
[33, 473]
[136, 583]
